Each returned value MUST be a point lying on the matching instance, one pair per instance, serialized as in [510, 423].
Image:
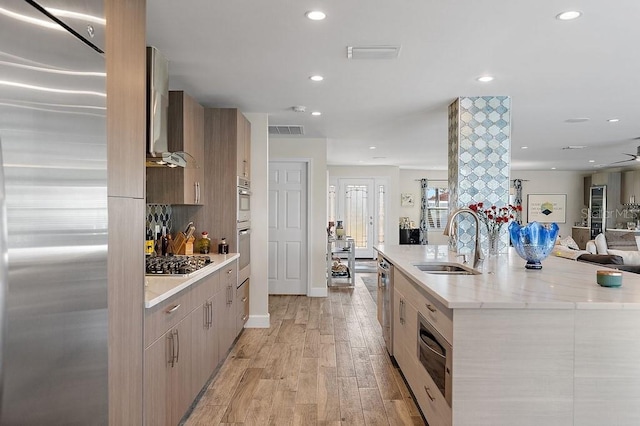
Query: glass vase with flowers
[493, 218]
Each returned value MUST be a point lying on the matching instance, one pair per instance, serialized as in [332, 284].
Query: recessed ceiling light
[613, 120]
[553, 168]
[592, 161]
[372, 147]
[316, 78]
[524, 147]
[485, 79]
[315, 15]
[316, 113]
[574, 147]
[568, 15]
[360, 161]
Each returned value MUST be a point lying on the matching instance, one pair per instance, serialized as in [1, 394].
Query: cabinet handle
[229, 271]
[171, 350]
[429, 394]
[244, 317]
[195, 192]
[210, 314]
[205, 315]
[172, 310]
[177, 345]
[430, 307]
[244, 299]
[230, 290]
[401, 311]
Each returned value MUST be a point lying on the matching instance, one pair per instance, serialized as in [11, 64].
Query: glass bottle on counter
[205, 243]
[223, 247]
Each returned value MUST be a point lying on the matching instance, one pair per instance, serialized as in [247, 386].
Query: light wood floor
[322, 362]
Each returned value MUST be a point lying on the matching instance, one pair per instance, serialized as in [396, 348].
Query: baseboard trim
[318, 292]
[258, 321]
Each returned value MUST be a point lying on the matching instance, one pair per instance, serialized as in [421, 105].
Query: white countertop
[506, 284]
[161, 287]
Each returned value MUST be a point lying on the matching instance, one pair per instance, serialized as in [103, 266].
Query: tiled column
[479, 159]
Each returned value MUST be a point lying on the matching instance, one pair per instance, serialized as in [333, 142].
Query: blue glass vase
[533, 242]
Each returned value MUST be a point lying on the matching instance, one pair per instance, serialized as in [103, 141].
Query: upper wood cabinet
[630, 187]
[244, 147]
[225, 130]
[185, 135]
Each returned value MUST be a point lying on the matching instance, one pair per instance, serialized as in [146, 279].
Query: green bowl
[609, 278]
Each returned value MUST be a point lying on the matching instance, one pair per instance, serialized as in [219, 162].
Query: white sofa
[630, 254]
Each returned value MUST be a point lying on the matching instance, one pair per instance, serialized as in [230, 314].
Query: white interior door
[288, 228]
[356, 210]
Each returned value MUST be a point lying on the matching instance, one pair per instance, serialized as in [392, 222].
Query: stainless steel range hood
[158, 154]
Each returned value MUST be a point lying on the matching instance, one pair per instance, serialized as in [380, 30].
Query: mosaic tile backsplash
[159, 214]
[479, 159]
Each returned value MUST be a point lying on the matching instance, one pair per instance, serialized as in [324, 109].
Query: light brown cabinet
[226, 311]
[204, 332]
[630, 187]
[225, 130]
[580, 236]
[243, 148]
[181, 185]
[167, 384]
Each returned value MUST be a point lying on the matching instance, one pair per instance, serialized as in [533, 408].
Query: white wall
[536, 182]
[392, 175]
[314, 150]
[554, 182]
[409, 183]
[259, 290]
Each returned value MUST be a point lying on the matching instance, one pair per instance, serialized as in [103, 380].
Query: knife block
[187, 246]
[179, 243]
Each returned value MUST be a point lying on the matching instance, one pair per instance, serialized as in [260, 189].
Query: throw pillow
[568, 242]
[601, 244]
[630, 257]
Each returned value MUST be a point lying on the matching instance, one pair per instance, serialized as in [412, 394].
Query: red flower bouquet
[494, 217]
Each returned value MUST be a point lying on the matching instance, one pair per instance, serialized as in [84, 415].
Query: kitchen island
[522, 347]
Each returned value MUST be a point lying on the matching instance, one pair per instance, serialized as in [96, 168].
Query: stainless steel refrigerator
[53, 295]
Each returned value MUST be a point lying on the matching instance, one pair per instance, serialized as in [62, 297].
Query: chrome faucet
[477, 252]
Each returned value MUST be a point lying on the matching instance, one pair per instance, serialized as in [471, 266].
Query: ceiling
[258, 56]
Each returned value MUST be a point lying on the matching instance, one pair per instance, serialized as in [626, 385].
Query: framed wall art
[547, 208]
[406, 200]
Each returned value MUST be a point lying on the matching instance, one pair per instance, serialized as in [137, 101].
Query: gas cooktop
[175, 265]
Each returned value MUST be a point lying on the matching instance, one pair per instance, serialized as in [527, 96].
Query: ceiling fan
[634, 157]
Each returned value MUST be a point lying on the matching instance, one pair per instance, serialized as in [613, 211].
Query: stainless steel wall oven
[244, 202]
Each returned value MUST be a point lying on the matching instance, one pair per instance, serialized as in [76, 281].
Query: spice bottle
[205, 243]
[149, 244]
[223, 247]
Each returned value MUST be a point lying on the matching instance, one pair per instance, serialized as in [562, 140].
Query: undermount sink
[445, 269]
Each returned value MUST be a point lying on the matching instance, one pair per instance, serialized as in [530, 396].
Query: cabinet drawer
[242, 298]
[436, 411]
[163, 316]
[438, 315]
[229, 276]
[205, 288]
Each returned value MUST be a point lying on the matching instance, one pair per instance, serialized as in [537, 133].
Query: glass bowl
[533, 242]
